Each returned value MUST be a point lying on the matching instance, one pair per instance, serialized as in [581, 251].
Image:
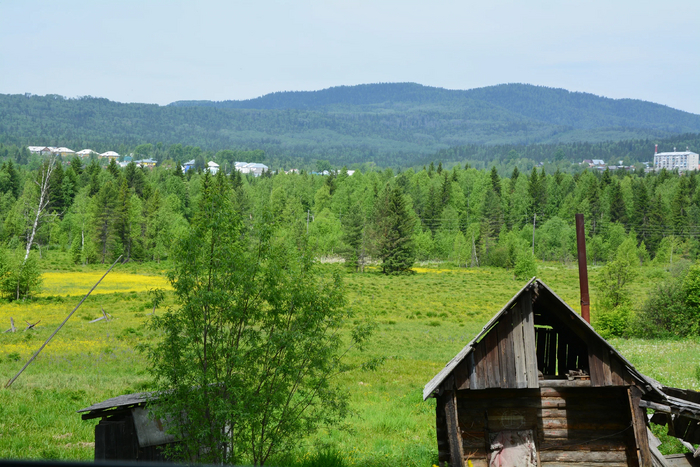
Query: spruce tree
[618, 210]
[394, 230]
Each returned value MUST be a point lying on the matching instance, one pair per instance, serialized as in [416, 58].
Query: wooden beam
[453, 432]
[639, 425]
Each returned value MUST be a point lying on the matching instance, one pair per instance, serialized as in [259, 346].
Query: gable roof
[574, 321]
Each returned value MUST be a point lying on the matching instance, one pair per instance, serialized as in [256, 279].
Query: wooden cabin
[539, 387]
[127, 430]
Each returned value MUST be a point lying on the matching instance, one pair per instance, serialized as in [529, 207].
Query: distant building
[681, 160]
[212, 167]
[65, 152]
[188, 165]
[110, 155]
[86, 153]
[42, 150]
[150, 163]
[251, 168]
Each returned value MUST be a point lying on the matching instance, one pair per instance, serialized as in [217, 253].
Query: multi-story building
[681, 160]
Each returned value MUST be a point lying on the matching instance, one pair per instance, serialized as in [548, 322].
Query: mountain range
[387, 123]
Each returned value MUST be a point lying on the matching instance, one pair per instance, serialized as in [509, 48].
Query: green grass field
[422, 322]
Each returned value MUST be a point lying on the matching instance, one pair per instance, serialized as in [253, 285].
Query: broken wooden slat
[30, 325]
[12, 326]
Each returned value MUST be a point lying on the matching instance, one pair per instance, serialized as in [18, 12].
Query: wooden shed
[127, 430]
[539, 387]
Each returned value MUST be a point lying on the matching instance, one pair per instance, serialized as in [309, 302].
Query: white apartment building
[681, 160]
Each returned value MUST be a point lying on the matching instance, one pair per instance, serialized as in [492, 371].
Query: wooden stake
[9, 383]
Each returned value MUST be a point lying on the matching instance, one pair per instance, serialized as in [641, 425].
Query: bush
[613, 323]
[525, 266]
[18, 278]
[672, 308]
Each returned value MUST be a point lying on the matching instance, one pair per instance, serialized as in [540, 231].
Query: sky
[158, 51]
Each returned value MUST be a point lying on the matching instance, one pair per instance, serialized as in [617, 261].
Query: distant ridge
[387, 123]
[552, 105]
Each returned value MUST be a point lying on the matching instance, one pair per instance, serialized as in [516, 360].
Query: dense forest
[463, 215]
[389, 125]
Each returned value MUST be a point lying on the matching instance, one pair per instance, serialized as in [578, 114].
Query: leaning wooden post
[61, 325]
[583, 268]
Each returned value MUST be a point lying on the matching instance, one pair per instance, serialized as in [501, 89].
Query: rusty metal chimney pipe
[583, 268]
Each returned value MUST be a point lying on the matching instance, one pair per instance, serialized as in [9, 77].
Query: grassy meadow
[422, 321]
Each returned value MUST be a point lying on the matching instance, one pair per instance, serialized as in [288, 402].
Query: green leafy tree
[245, 369]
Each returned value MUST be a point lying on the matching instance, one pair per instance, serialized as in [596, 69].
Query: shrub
[19, 278]
[525, 266]
[613, 323]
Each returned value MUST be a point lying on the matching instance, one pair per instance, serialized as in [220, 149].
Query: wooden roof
[565, 313]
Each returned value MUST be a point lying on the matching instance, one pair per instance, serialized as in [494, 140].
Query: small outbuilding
[539, 387]
[127, 430]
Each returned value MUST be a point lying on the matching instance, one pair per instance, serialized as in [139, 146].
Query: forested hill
[550, 105]
[395, 125]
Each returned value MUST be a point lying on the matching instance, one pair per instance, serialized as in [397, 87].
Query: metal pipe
[583, 268]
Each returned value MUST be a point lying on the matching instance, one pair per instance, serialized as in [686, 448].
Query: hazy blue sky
[162, 51]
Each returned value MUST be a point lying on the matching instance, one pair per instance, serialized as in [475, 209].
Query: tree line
[463, 215]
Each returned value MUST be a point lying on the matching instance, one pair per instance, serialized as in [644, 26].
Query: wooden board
[518, 346]
[453, 433]
[639, 426]
[491, 360]
[505, 352]
[599, 361]
[529, 340]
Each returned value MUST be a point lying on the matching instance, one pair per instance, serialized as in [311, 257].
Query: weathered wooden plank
[479, 382]
[519, 346]
[639, 426]
[441, 429]
[529, 340]
[618, 371]
[580, 435]
[453, 434]
[505, 351]
[596, 445]
[582, 456]
[599, 361]
[472, 370]
[491, 360]
[461, 375]
[565, 383]
[566, 424]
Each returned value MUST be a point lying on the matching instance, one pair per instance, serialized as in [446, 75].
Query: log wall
[572, 426]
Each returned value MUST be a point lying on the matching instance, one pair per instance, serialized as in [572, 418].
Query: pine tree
[394, 230]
